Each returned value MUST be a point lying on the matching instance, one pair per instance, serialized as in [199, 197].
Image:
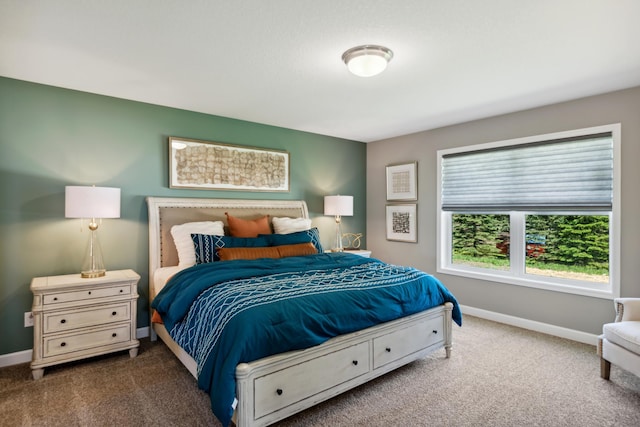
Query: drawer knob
[279, 391]
[121, 291]
[89, 292]
[113, 313]
[114, 335]
[435, 332]
[62, 344]
[55, 298]
[388, 349]
[355, 363]
[63, 321]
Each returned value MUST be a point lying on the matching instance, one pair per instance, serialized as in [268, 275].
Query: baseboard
[532, 325]
[558, 331]
[25, 356]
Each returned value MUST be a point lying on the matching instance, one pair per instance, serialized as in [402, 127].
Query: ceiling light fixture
[367, 60]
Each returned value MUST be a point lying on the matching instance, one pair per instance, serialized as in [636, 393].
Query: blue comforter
[226, 313]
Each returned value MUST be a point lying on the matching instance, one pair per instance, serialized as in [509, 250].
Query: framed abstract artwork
[402, 223]
[402, 181]
[208, 165]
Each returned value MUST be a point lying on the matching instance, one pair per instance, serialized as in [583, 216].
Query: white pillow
[184, 244]
[290, 225]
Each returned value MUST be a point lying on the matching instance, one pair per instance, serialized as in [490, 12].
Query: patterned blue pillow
[207, 245]
[312, 235]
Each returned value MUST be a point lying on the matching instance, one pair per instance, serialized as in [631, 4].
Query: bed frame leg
[447, 349]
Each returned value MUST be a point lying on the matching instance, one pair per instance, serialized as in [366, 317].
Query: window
[540, 211]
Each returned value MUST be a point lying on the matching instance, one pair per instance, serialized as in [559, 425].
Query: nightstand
[75, 318]
[360, 252]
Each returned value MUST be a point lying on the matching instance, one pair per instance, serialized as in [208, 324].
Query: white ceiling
[278, 62]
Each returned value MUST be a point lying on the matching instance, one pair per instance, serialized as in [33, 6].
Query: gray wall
[52, 137]
[565, 310]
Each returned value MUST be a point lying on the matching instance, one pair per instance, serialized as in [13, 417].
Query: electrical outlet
[28, 319]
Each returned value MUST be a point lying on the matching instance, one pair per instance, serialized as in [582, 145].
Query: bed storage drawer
[395, 345]
[287, 386]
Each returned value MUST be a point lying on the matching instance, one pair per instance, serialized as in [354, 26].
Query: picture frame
[402, 182]
[207, 165]
[402, 222]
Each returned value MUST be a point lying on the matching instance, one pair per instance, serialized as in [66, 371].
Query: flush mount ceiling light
[367, 60]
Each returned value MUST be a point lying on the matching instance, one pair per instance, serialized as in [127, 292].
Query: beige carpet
[498, 375]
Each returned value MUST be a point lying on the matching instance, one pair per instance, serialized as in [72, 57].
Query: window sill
[537, 282]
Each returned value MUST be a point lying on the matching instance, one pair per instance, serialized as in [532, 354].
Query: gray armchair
[620, 341]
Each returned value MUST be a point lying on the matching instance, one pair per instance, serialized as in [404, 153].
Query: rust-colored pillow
[239, 227]
[228, 254]
[298, 249]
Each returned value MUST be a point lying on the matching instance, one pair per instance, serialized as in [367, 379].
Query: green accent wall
[52, 137]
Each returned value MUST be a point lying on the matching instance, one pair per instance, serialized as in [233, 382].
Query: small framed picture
[402, 181]
[402, 223]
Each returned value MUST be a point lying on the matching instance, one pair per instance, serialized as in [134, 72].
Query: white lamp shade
[338, 205]
[91, 202]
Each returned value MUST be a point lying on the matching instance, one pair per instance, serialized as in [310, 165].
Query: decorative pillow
[228, 254]
[300, 249]
[290, 225]
[306, 236]
[182, 238]
[207, 246]
[239, 227]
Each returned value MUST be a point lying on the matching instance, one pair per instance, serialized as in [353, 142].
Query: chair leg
[605, 368]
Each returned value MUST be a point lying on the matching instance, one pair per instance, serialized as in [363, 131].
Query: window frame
[517, 274]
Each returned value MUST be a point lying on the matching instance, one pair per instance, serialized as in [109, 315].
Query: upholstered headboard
[166, 212]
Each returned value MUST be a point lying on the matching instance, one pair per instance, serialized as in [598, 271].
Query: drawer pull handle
[113, 313]
[279, 391]
[63, 321]
[114, 335]
[62, 344]
[355, 363]
[388, 349]
[55, 298]
[89, 292]
[121, 291]
[435, 332]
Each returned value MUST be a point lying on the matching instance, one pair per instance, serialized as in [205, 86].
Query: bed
[307, 367]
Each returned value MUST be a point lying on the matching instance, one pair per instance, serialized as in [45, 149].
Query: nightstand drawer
[54, 346]
[86, 294]
[92, 316]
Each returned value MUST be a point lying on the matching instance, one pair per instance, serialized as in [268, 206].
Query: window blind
[566, 174]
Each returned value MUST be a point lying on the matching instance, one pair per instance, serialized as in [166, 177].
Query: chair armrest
[627, 309]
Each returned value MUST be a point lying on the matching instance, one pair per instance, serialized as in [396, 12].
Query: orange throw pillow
[228, 254]
[239, 227]
[298, 249]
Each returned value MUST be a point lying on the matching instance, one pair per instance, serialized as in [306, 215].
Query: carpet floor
[498, 375]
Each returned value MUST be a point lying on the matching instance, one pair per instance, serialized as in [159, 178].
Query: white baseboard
[25, 356]
[532, 325]
[558, 331]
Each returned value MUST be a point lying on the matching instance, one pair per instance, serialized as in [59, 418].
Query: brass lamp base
[92, 274]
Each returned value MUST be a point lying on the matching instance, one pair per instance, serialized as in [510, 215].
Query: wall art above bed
[209, 165]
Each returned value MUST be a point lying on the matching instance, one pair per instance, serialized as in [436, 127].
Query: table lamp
[338, 206]
[92, 203]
